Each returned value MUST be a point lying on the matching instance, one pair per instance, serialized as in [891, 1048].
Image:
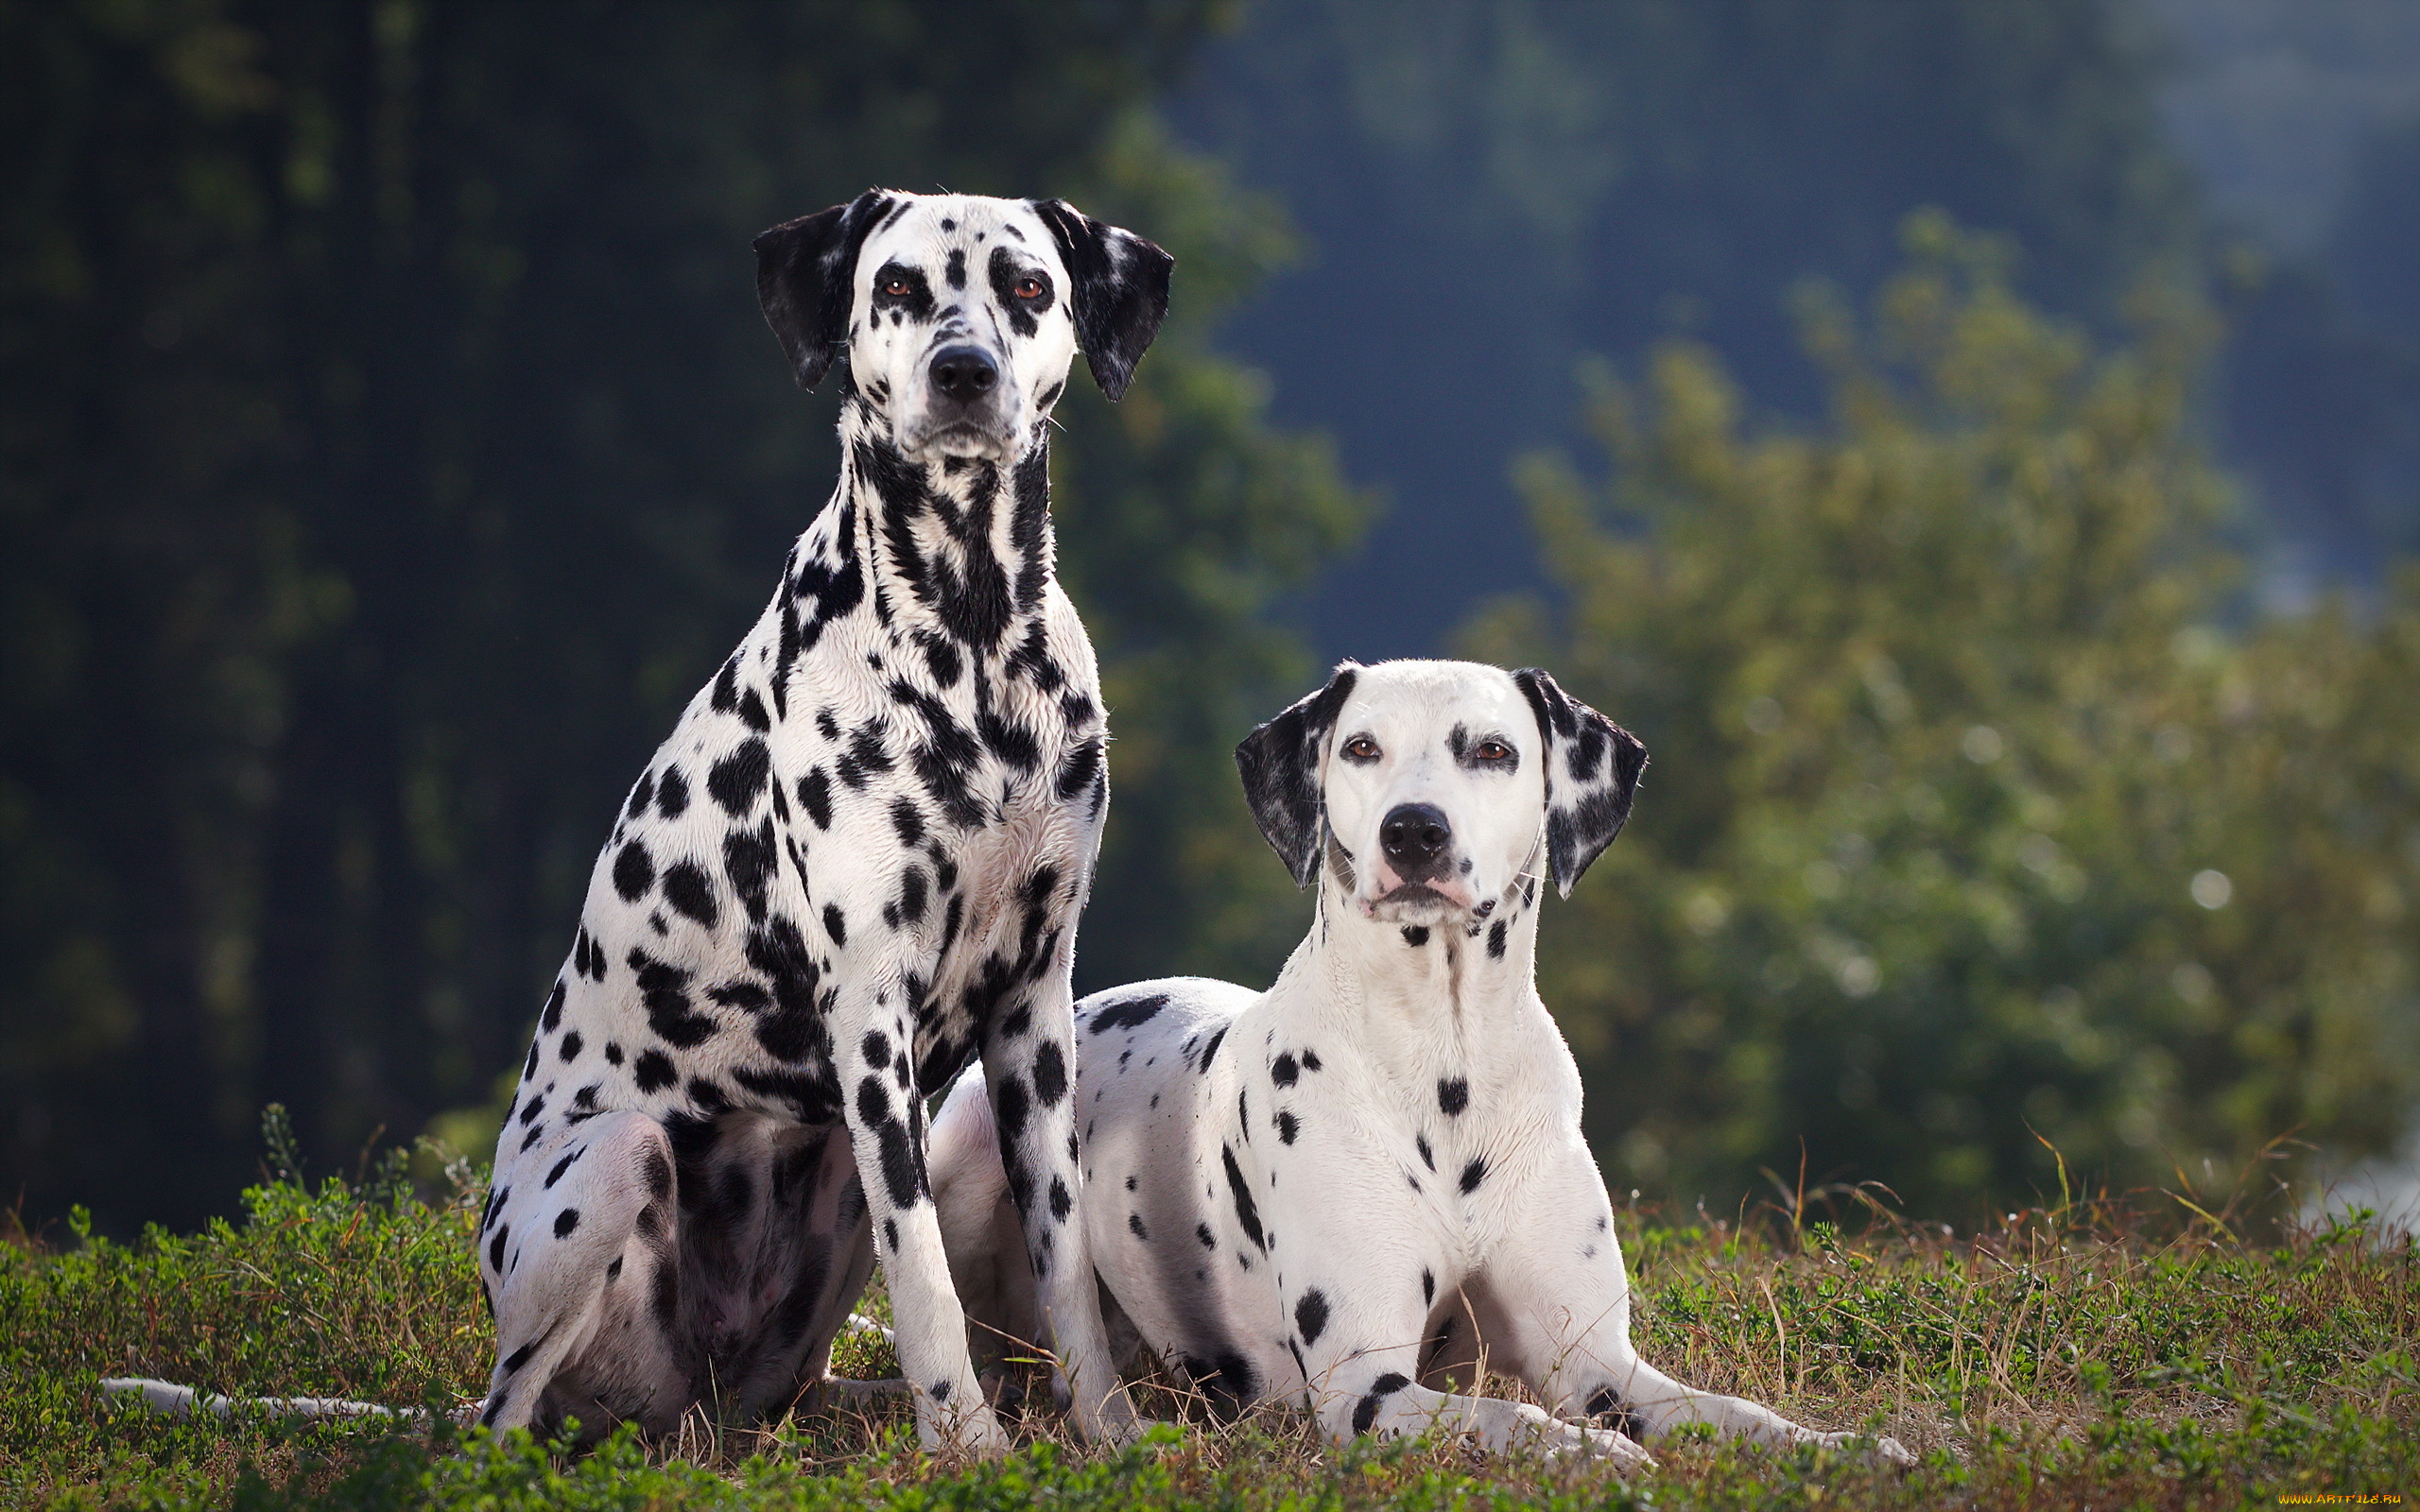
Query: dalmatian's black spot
[653, 1072]
[1473, 1174]
[1010, 1109]
[836, 925]
[1311, 1315]
[1247, 1212]
[748, 858]
[1131, 1014]
[633, 872]
[1288, 1126]
[815, 796]
[1209, 1240]
[1049, 1074]
[1284, 1070]
[1061, 1202]
[612, 1053]
[641, 795]
[907, 822]
[1209, 1051]
[691, 892]
[564, 1164]
[664, 989]
[1420, 1142]
[565, 1222]
[1135, 1227]
[913, 898]
[866, 755]
[1365, 1413]
[1453, 1095]
[1079, 770]
[739, 778]
[613, 1271]
[1495, 940]
[529, 1067]
[495, 1246]
[877, 1049]
[531, 1110]
[1009, 740]
[672, 794]
[570, 1047]
[1312, 1060]
[513, 1361]
[1427, 1286]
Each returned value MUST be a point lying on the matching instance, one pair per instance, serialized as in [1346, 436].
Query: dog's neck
[1472, 973]
[961, 546]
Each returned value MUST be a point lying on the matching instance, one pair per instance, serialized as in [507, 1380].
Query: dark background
[390, 443]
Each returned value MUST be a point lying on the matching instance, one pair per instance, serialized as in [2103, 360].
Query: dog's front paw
[1113, 1422]
[1881, 1450]
[1627, 1454]
[973, 1431]
[1890, 1451]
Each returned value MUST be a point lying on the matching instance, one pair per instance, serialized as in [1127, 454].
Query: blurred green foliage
[389, 444]
[1490, 189]
[1979, 814]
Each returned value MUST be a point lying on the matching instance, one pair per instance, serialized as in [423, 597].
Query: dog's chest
[878, 830]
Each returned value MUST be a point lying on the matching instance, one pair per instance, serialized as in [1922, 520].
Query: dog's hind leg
[580, 1257]
[1029, 1067]
[980, 1230]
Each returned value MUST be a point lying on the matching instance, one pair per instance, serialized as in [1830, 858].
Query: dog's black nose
[964, 373]
[1414, 837]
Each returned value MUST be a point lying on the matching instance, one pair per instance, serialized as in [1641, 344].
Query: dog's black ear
[1121, 291]
[803, 271]
[1592, 767]
[1280, 763]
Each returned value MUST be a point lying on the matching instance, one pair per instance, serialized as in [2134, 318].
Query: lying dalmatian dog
[1350, 1190]
[856, 863]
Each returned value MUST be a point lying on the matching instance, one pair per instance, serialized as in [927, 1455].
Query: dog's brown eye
[895, 287]
[1028, 288]
[1492, 751]
[1361, 748]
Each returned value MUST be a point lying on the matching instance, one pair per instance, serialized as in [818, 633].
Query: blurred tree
[1493, 187]
[1968, 815]
[389, 445]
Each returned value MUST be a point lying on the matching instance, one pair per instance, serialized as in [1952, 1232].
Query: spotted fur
[856, 865]
[1381, 1177]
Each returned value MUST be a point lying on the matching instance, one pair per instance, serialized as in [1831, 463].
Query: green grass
[2070, 1357]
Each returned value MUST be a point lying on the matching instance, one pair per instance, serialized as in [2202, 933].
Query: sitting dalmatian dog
[856, 863]
[1350, 1191]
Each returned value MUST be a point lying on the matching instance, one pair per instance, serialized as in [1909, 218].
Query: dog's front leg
[1028, 1066]
[886, 1129]
[1562, 1297]
[1358, 1290]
